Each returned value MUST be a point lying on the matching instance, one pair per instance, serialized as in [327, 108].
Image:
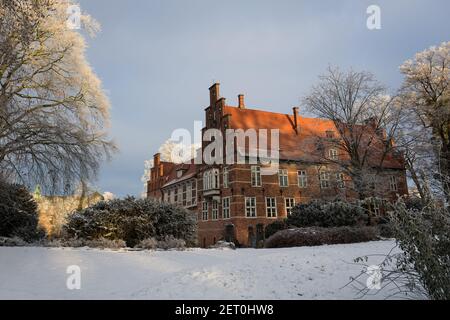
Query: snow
[287, 273]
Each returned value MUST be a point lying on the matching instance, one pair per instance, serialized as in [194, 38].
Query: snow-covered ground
[290, 273]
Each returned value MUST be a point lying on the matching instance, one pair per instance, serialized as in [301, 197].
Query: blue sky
[157, 58]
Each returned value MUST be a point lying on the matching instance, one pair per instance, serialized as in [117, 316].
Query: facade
[235, 202]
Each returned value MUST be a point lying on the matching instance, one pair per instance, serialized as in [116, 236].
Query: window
[172, 196]
[189, 194]
[333, 154]
[340, 182]
[215, 210]
[393, 183]
[324, 178]
[226, 208]
[271, 207]
[329, 134]
[211, 179]
[205, 211]
[376, 207]
[283, 177]
[194, 192]
[225, 177]
[302, 179]
[166, 196]
[180, 195]
[215, 183]
[184, 188]
[289, 203]
[256, 176]
[250, 207]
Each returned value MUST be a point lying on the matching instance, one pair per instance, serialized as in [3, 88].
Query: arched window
[215, 184]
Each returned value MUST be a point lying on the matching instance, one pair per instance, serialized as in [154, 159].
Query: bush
[327, 214]
[18, 213]
[385, 230]
[315, 236]
[149, 244]
[169, 242]
[132, 220]
[100, 243]
[424, 237]
[12, 242]
[274, 227]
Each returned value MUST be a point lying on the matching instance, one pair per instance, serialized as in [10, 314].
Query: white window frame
[194, 191]
[172, 196]
[333, 154]
[226, 176]
[283, 177]
[211, 179]
[256, 176]
[288, 206]
[215, 179]
[393, 183]
[302, 178]
[271, 207]
[189, 194]
[376, 207]
[340, 180]
[204, 211]
[226, 207]
[324, 179]
[250, 207]
[180, 195]
[215, 210]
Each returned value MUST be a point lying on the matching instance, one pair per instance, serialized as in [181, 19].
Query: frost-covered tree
[53, 110]
[426, 94]
[365, 118]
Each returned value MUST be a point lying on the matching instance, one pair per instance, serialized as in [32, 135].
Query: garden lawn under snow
[289, 273]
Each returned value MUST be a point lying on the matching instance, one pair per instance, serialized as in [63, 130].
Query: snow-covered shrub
[385, 230]
[132, 220]
[327, 214]
[315, 236]
[18, 213]
[223, 245]
[424, 237]
[12, 242]
[149, 244]
[169, 242]
[274, 227]
[103, 243]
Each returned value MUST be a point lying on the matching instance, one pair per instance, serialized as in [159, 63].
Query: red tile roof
[293, 146]
[190, 169]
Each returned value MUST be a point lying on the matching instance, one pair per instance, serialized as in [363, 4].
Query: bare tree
[426, 94]
[53, 109]
[365, 119]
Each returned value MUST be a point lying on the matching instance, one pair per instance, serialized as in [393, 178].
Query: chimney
[214, 94]
[241, 101]
[156, 160]
[295, 110]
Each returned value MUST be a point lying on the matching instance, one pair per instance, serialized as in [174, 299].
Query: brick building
[236, 201]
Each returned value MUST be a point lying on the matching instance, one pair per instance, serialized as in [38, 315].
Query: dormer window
[180, 173]
[329, 134]
[333, 154]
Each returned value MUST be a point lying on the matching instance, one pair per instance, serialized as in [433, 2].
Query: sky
[157, 59]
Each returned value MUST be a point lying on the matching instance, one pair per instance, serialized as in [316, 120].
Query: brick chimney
[241, 101]
[295, 110]
[214, 94]
[156, 160]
